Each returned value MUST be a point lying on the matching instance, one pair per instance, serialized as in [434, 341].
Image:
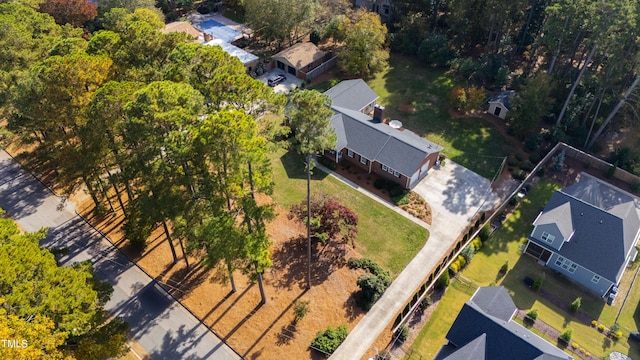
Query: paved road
[161, 325]
[454, 194]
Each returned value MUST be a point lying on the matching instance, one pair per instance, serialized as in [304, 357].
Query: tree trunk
[263, 297]
[557, 52]
[231, 280]
[118, 195]
[614, 111]
[595, 117]
[575, 85]
[91, 191]
[170, 241]
[104, 193]
[184, 253]
[309, 221]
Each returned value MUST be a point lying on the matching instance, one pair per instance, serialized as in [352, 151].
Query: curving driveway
[159, 323]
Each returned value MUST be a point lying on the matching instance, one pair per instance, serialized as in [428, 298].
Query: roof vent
[581, 214]
[396, 124]
[601, 221]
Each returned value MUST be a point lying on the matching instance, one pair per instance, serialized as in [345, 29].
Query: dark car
[275, 80]
[634, 335]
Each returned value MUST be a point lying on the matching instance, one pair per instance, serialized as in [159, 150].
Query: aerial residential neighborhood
[319, 179]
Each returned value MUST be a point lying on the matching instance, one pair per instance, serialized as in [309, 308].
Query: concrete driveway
[289, 84]
[158, 322]
[455, 194]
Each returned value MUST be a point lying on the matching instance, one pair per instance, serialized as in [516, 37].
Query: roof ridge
[590, 205]
[369, 124]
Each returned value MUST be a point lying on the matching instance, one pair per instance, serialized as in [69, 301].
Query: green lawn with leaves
[471, 142]
[383, 235]
[504, 246]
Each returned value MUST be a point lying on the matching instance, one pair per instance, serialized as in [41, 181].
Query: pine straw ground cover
[269, 331]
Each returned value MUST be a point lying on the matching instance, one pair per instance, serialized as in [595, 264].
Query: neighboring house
[393, 153]
[299, 59]
[248, 59]
[588, 232]
[484, 329]
[499, 104]
[185, 27]
[381, 7]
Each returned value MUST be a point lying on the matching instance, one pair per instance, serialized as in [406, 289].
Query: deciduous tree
[74, 12]
[365, 52]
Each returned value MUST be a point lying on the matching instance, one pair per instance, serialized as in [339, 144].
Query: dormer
[554, 227]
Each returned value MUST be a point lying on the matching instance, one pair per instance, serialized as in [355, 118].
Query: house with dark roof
[588, 232]
[391, 152]
[499, 104]
[484, 329]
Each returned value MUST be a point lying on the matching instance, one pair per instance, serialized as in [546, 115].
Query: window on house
[396, 174]
[566, 264]
[390, 170]
[384, 167]
[595, 279]
[349, 153]
[363, 160]
[547, 237]
[385, 8]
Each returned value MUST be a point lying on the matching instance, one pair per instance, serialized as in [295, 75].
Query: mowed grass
[505, 245]
[383, 235]
[471, 142]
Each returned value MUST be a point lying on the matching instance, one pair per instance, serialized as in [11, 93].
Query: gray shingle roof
[401, 150]
[503, 98]
[495, 301]
[606, 222]
[352, 94]
[560, 216]
[503, 339]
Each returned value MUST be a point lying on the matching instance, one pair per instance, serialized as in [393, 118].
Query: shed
[299, 59]
[499, 104]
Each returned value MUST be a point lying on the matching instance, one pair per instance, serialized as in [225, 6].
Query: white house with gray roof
[588, 232]
[396, 154]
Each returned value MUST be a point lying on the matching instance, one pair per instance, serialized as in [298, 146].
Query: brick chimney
[378, 113]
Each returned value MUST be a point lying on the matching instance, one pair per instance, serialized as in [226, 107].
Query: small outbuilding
[249, 60]
[499, 105]
[299, 59]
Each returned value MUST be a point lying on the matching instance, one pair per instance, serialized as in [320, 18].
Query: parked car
[275, 80]
[634, 335]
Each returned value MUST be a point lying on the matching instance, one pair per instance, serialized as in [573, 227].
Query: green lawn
[471, 142]
[504, 246]
[383, 235]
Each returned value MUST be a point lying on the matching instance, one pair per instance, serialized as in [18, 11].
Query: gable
[403, 151]
[352, 94]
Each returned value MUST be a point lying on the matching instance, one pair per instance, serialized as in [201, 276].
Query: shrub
[537, 284]
[535, 157]
[601, 327]
[513, 201]
[484, 233]
[574, 345]
[425, 302]
[541, 172]
[533, 314]
[617, 334]
[520, 156]
[519, 175]
[383, 355]
[300, 309]
[371, 288]
[505, 267]
[315, 36]
[467, 253]
[401, 199]
[397, 190]
[615, 331]
[443, 281]
[594, 323]
[635, 187]
[533, 141]
[477, 244]
[526, 166]
[332, 165]
[512, 161]
[575, 305]
[380, 183]
[403, 332]
[566, 336]
[327, 341]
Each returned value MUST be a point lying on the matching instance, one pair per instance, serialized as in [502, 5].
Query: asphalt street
[159, 323]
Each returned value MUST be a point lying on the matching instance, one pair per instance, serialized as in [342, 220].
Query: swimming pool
[219, 31]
